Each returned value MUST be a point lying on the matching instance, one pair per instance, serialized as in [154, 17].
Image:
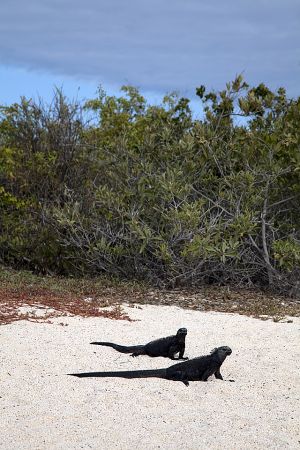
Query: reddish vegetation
[62, 297]
[55, 305]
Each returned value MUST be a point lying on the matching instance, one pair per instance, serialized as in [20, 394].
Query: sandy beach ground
[43, 408]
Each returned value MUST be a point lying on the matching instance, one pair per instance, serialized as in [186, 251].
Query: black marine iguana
[167, 347]
[196, 369]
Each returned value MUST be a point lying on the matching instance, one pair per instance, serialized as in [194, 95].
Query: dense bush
[143, 191]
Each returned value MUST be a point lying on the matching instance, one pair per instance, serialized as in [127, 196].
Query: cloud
[158, 45]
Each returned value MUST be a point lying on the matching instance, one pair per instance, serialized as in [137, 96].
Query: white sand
[42, 408]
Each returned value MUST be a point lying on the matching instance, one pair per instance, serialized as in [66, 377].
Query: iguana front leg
[173, 351]
[181, 353]
[218, 374]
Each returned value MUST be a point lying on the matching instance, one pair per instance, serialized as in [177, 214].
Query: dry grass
[56, 297]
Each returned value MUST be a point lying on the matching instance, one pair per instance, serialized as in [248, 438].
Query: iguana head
[182, 331]
[222, 352]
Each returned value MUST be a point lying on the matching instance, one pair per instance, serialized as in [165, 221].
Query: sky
[156, 45]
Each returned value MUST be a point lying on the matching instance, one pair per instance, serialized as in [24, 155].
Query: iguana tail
[121, 348]
[156, 373]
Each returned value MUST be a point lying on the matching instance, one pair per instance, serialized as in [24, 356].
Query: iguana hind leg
[138, 353]
[180, 376]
